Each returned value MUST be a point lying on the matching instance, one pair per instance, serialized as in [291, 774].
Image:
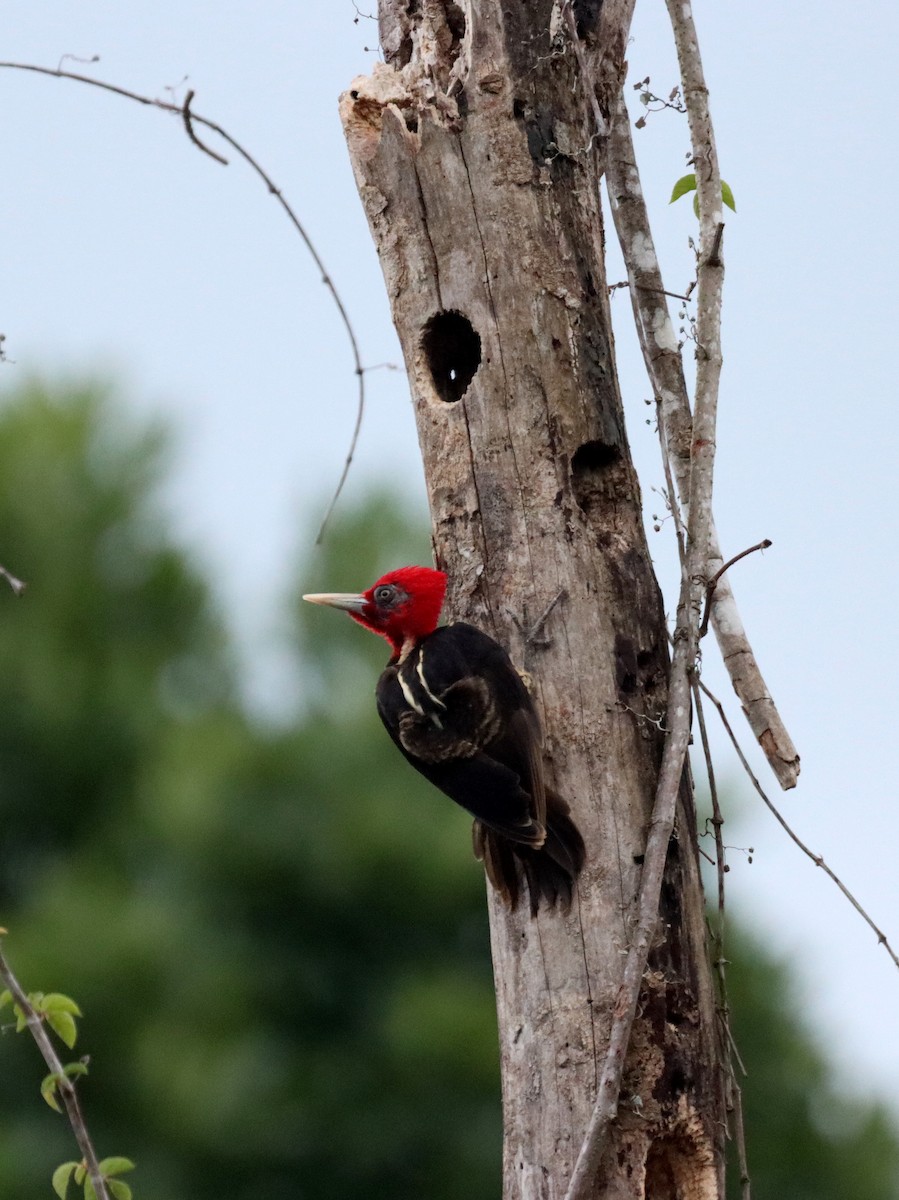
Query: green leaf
[49, 1085]
[57, 1002]
[119, 1188]
[63, 1023]
[5, 998]
[117, 1165]
[687, 183]
[75, 1068]
[61, 1177]
[21, 1019]
[90, 1192]
[80, 1173]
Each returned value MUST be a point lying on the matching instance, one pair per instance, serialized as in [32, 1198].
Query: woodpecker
[460, 713]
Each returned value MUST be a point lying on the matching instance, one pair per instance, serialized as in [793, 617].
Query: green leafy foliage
[68, 1172]
[687, 183]
[109, 1169]
[278, 934]
[57, 1010]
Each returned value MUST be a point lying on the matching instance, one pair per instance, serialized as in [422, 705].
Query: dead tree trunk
[475, 156]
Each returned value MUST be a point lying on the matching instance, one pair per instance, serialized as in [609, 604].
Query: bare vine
[190, 119]
[732, 1090]
[817, 859]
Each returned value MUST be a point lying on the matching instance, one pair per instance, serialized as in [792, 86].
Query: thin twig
[348, 461]
[602, 127]
[360, 14]
[537, 627]
[740, 1138]
[736, 1052]
[663, 292]
[764, 544]
[713, 582]
[816, 858]
[717, 818]
[190, 119]
[64, 1085]
[730, 1051]
[673, 506]
[18, 586]
[613, 287]
[191, 132]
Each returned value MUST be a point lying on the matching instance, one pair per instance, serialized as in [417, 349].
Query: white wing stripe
[420, 670]
[407, 692]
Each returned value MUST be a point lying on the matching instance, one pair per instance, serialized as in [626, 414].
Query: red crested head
[403, 606]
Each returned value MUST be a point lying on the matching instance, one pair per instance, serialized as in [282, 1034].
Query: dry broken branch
[665, 370]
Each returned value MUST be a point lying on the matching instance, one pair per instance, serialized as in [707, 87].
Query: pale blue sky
[128, 252]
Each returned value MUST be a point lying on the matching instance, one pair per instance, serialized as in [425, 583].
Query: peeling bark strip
[473, 152]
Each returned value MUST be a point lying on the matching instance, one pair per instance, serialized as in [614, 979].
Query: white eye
[385, 595]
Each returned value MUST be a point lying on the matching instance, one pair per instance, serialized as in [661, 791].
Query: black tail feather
[550, 871]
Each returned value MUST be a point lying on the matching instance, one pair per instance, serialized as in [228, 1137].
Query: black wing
[460, 713]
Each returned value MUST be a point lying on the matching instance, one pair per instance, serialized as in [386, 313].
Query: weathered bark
[473, 151]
